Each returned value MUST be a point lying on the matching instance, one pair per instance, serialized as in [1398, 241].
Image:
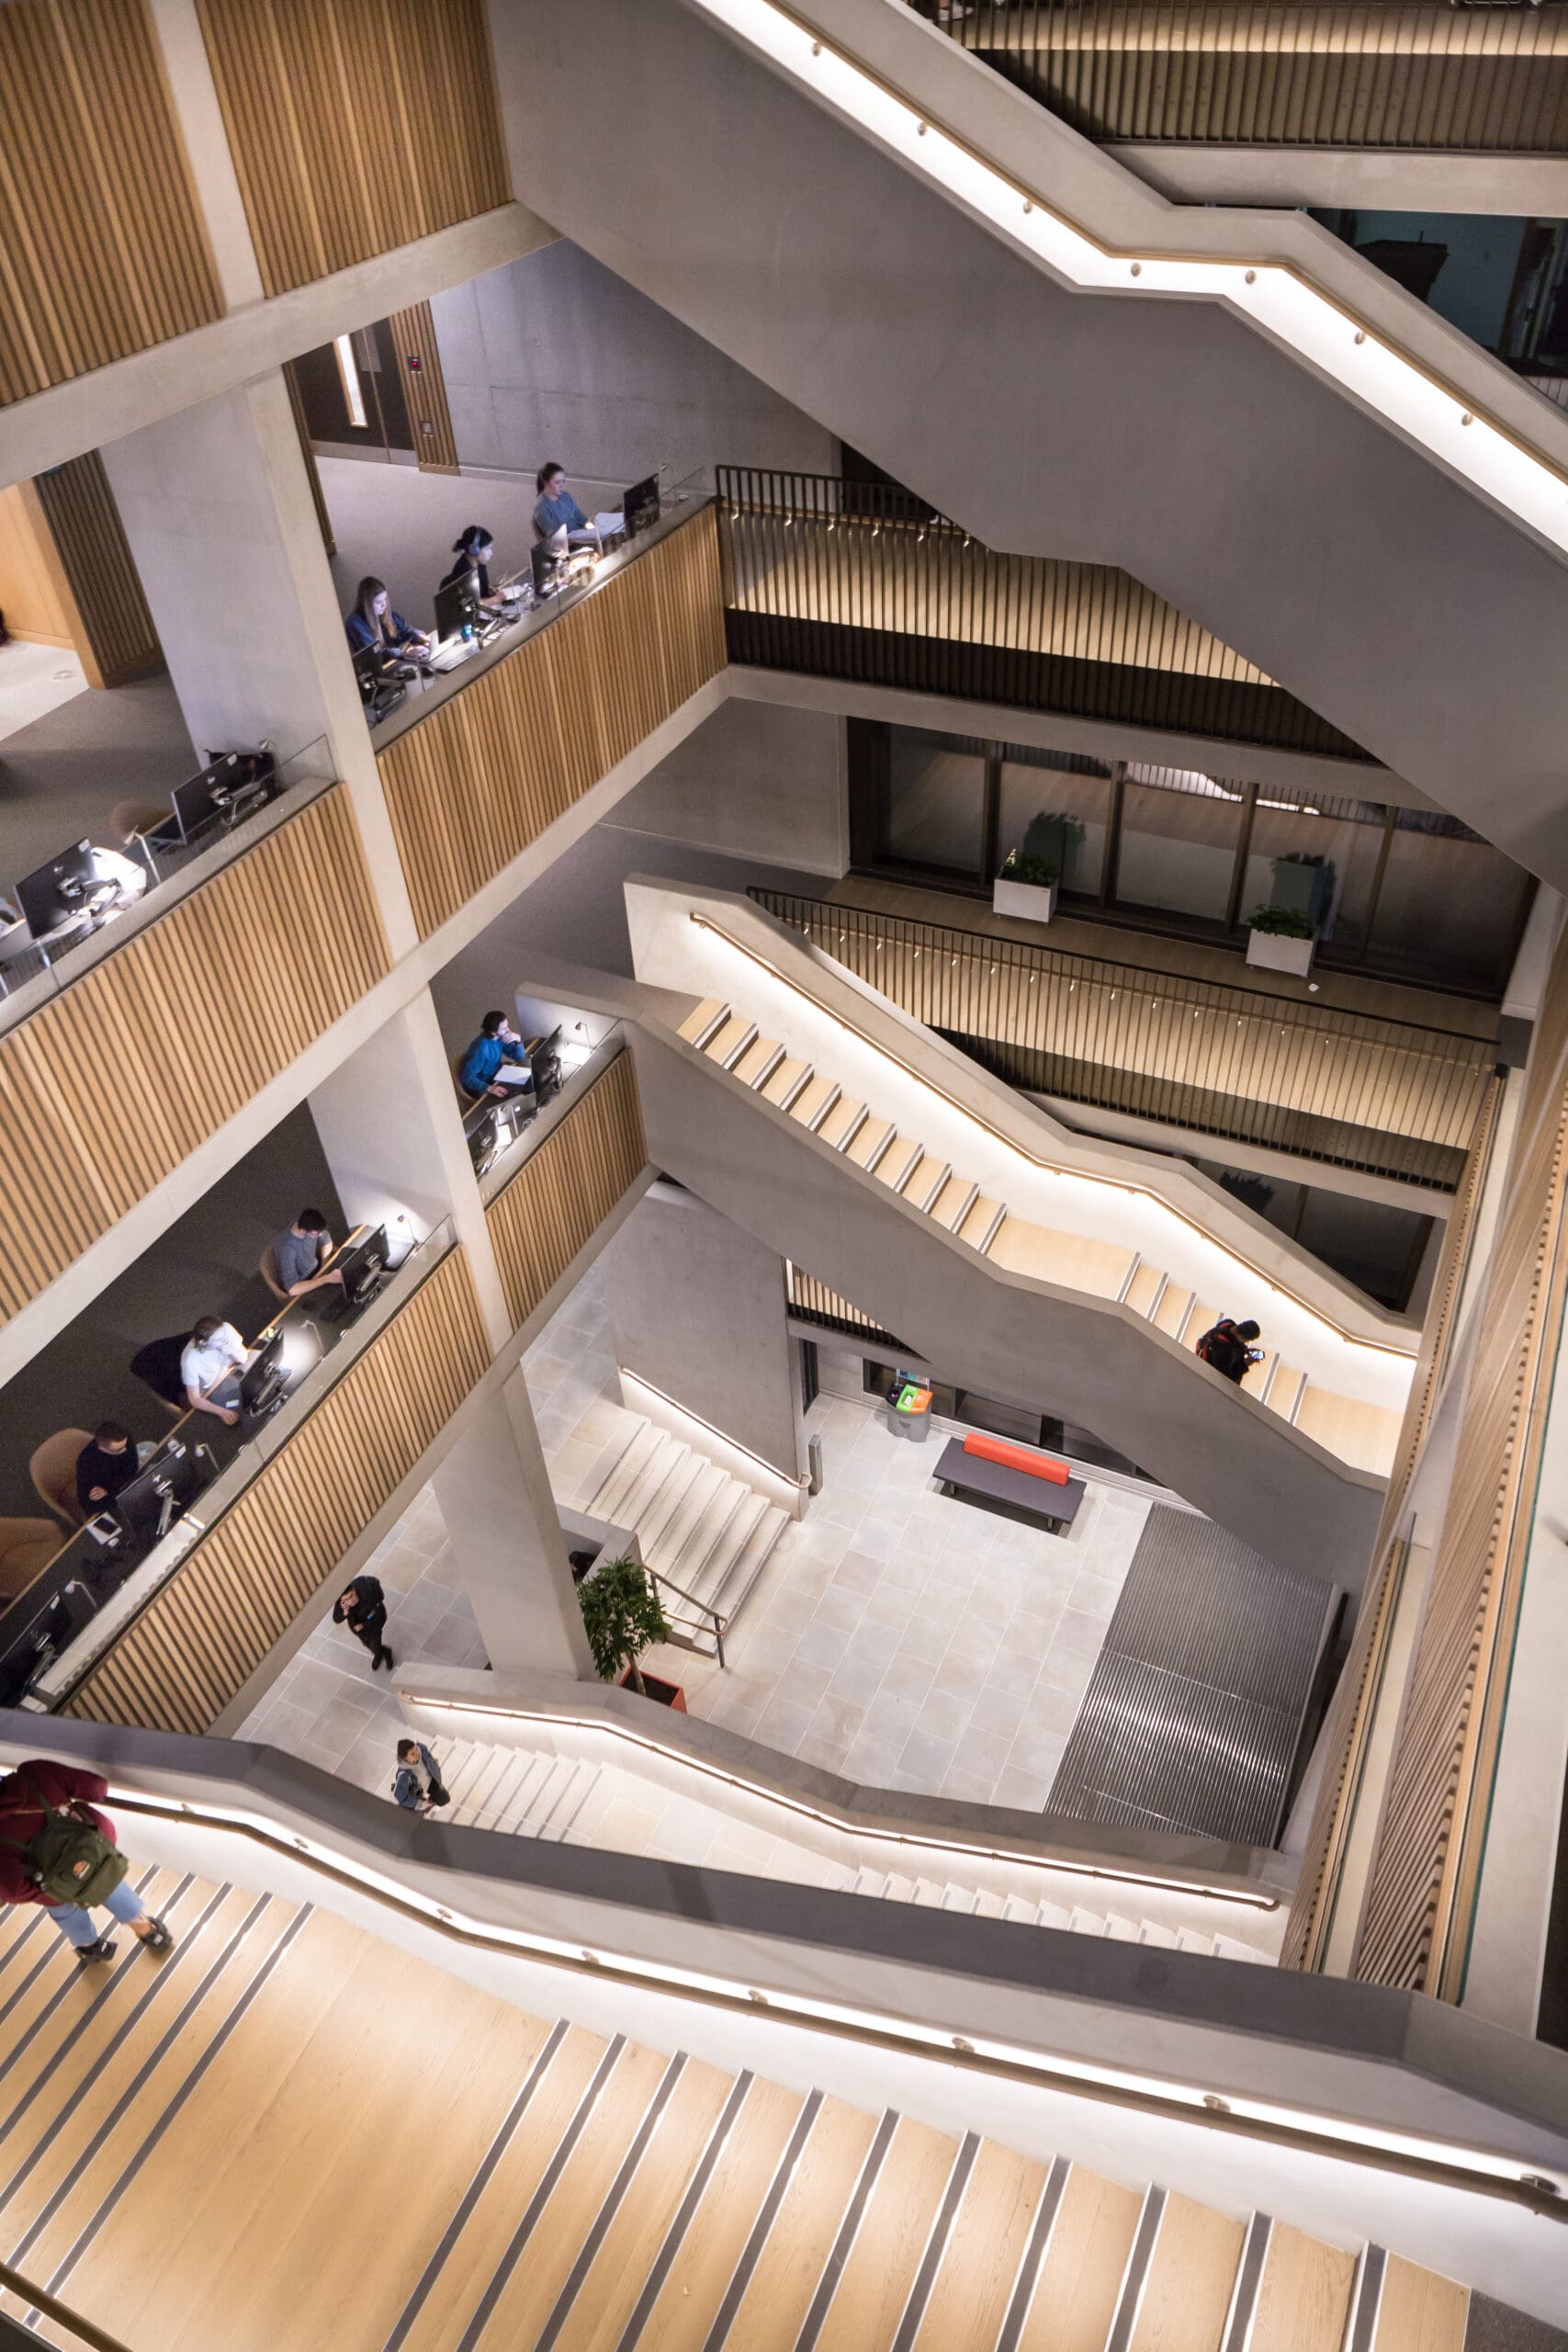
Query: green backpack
[70, 1860]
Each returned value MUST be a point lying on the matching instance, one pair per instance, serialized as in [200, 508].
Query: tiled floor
[904, 1640]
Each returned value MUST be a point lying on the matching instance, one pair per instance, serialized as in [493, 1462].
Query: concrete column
[217, 506]
[506, 1537]
[188, 72]
[393, 1132]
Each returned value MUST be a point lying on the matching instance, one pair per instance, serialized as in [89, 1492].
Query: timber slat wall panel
[473, 784]
[200, 1638]
[564, 1191]
[103, 251]
[424, 389]
[1290, 72]
[354, 128]
[90, 539]
[1356, 1698]
[296, 912]
[1431, 1839]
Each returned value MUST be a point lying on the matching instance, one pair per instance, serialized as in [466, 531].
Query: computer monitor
[484, 1137]
[548, 557]
[230, 788]
[362, 1265]
[543, 1062]
[66, 886]
[157, 1494]
[640, 505]
[381, 690]
[265, 1381]
[457, 607]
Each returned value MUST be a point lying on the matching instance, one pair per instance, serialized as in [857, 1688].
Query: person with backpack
[1228, 1347]
[417, 1787]
[56, 1850]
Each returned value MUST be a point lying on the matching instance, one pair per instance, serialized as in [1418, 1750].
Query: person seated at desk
[473, 552]
[373, 625]
[496, 1061]
[558, 511]
[300, 1252]
[106, 1464]
[213, 1359]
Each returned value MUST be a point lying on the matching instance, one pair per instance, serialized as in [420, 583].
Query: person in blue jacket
[417, 1786]
[496, 1061]
[373, 623]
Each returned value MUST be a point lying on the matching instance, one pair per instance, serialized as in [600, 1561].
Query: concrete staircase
[534, 1793]
[710, 1534]
[1360, 1434]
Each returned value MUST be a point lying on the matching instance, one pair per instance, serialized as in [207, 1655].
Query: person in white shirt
[210, 1363]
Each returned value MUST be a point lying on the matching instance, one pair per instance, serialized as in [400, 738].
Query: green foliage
[1038, 872]
[1282, 922]
[622, 1614]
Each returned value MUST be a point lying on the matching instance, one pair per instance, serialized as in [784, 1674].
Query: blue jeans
[76, 1925]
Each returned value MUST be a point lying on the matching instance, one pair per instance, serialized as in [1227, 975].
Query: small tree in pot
[623, 1617]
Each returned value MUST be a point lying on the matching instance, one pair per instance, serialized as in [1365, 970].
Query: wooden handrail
[41, 2300]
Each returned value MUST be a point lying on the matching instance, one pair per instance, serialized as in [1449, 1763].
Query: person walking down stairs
[57, 1850]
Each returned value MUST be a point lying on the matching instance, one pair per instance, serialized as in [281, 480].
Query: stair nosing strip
[1031, 2261]
[1249, 2282]
[686, 2213]
[1366, 2301]
[834, 1096]
[614, 2198]
[1135, 2277]
[26, 1935]
[500, 2277]
[792, 1094]
[757, 2237]
[842, 2246]
[51, 1952]
[42, 2147]
[476, 2187]
[935, 2252]
[235, 2016]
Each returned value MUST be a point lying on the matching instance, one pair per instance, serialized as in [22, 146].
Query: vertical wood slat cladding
[1431, 1839]
[89, 538]
[424, 389]
[472, 785]
[564, 1191]
[1263, 74]
[103, 251]
[1356, 1700]
[354, 129]
[189, 1050]
[200, 1638]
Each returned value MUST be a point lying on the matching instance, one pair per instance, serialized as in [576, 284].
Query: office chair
[54, 1473]
[266, 1267]
[130, 820]
[26, 1545]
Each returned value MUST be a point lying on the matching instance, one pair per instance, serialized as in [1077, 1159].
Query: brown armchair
[266, 1267]
[26, 1545]
[53, 1469]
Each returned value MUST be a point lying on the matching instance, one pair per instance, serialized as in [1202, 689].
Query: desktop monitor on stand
[226, 792]
[65, 889]
[148, 1507]
[456, 608]
[362, 1262]
[640, 505]
[263, 1384]
[545, 1063]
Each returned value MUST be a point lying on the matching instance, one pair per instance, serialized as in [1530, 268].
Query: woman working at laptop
[558, 511]
[472, 553]
[373, 625]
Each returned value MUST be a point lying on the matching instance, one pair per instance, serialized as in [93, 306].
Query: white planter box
[1276, 951]
[1025, 898]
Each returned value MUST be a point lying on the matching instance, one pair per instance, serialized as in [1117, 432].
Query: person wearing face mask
[374, 626]
[472, 554]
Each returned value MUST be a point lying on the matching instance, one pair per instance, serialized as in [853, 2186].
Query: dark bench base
[1010, 1494]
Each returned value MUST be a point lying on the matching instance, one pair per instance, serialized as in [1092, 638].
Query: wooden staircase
[287, 2134]
[1364, 1436]
[533, 1793]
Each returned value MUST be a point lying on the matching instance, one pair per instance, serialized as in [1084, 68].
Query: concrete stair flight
[533, 1792]
[579, 2190]
[1362, 1435]
[711, 1534]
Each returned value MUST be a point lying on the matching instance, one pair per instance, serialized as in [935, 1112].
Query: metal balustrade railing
[864, 582]
[1388, 1098]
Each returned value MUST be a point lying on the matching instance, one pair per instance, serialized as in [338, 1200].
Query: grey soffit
[1193, 1714]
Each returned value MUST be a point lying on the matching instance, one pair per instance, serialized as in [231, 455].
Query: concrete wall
[554, 356]
[697, 1308]
[755, 781]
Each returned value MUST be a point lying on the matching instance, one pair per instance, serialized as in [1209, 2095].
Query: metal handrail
[720, 1622]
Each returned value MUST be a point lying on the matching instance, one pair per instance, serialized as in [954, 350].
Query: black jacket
[110, 1471]
[370, 1608]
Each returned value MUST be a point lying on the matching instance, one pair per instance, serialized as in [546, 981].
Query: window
[936, 803]
[1178, 850]
[1073, 805]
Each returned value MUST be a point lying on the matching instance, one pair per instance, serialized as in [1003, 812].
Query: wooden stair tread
[781, 2287]
[790, 1072]
[848, 1113]
[985, 1214]
[970, 2294]
[757, 1062]
[1419, 2311]
[1143, 1288]
[905, 2199]
[1080, 2277]
[728, 1042]
[695, 1023]
[816, 1099]
[1172, 1308]
[874, 1136]
[1363, 1435]
[954, 1203]
[682, 2319]
[1304, 2297]
[1068, 1260]
[1190, 2277]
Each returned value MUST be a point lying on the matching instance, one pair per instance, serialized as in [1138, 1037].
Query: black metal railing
[1388, 1098]
[864, 582]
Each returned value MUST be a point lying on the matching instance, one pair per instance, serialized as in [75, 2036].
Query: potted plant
[1026, 886]
[1281, 939]
[623, 1616]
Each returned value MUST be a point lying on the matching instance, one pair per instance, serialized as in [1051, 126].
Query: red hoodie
[22, 1816]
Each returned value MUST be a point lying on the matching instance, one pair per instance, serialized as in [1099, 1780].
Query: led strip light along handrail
[1478, 2168]
[721, 1437]
[1270, 1283]
[844, 1824]
[1273, 296]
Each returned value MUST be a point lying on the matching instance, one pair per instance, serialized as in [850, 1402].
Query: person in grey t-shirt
[299, 1254]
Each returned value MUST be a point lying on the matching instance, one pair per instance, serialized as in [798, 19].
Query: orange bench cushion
[1017, 1457]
